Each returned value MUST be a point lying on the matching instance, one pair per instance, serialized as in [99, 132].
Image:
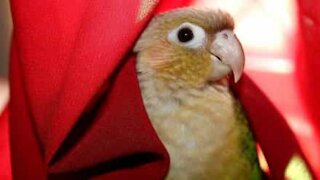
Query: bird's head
[190, 45]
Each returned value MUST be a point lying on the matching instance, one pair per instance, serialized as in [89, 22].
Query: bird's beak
[227, 55]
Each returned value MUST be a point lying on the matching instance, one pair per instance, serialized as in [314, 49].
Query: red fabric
[308, 65]
[308, 56]
[270, 128]
[5, 170]
[75, 107]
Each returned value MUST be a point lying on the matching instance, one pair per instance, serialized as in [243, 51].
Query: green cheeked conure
[184, 59]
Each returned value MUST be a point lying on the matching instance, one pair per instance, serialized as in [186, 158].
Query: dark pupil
[185, 35]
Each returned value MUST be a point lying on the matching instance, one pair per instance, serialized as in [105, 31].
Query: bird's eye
[185, 35]
[188, 35]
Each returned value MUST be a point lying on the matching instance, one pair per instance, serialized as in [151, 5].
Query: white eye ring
[188, 35]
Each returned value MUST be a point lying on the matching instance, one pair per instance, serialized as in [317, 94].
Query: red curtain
[308, 58]
[76, 109]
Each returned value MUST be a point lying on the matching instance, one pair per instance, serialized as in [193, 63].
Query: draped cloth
[75, 105]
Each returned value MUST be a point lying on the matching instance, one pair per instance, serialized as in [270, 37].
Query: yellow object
[297, 169]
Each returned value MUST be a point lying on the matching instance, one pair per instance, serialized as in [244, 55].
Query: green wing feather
[247, 143]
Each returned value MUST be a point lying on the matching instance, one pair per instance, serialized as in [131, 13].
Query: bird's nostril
[225, 35]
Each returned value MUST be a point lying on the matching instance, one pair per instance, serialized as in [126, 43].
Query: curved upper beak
[227, 55]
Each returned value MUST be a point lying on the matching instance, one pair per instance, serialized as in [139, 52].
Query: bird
[186, 60]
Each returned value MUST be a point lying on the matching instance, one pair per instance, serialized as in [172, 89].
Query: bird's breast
[197, 129]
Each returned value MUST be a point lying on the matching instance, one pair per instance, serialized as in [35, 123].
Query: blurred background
[267, 30]
[5, 33]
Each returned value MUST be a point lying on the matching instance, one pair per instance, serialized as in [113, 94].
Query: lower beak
[227, 55]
